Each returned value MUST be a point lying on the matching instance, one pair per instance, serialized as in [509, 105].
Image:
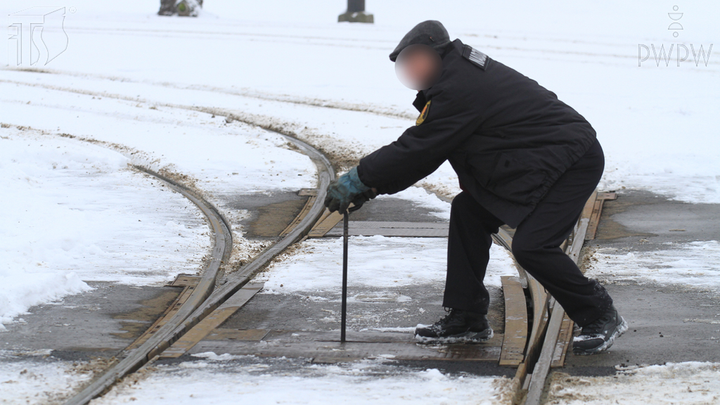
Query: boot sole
[465, 337]
[622, 328]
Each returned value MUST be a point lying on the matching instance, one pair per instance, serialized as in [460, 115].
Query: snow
[25, 380]
[654, 121]
[374, 261]
[222, 157]
[221, 380]
[691, 265]
[422, 198]
[691, 383]
[77, 213]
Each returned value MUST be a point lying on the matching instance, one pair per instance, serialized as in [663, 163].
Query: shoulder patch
[423, 114]
[478, 58]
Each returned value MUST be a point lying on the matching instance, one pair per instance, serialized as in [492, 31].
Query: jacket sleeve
[400, 184]
[451, 118]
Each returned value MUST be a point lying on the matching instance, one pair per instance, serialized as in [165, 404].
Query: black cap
[431, 33]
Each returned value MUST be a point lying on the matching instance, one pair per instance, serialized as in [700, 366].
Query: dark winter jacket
[508, 138]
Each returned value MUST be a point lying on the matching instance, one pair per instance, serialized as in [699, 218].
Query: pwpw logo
[675, 52]
[37, 36]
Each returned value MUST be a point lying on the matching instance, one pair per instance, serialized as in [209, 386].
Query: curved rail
[238, 279]
[205, 298]
[222, 246]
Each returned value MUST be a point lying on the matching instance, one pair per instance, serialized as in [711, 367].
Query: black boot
[600, 335]
[456, 326]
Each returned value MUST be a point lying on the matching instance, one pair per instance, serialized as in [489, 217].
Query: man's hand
[348, 189]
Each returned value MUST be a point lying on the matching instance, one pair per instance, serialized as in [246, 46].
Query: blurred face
[418, 66]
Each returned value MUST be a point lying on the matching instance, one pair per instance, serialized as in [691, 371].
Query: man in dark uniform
[523, 158]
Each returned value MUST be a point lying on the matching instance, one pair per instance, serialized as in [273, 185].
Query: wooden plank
[578, 240]
[594, 219]
[516, 322]
[237, 334]
[564, 338]
[334, 351]
[387, 228]
[166, 316]
[185, 280]
[597, 213]
[529, 387]
[300, 216]
[589, 204]
[325, 224]
[324, 346]
[212, 321]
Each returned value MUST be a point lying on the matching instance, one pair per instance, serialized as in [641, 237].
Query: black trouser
[536, 246]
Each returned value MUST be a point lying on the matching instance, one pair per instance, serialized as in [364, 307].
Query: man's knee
[463, 202]
[467, 210]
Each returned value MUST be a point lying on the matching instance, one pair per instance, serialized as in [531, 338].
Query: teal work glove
[348, 189]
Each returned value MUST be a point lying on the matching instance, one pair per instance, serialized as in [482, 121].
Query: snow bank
[693, 264]
[221, 381]
[74, 212]
[691, 383]
[31, 382]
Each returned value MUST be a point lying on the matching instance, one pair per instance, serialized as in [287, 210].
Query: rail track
[207, 295]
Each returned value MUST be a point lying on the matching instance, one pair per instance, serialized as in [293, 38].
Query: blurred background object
[356, 13]
[183, 8]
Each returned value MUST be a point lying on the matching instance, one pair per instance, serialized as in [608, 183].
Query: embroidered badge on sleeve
[423, 114]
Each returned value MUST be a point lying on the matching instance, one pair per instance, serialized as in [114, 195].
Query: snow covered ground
[77, 213]
[375, 261]
[74, 212]
[690, 383]
[690, 265]
[24, 380]
[155, 91]
[258, 381]
[253, 59]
